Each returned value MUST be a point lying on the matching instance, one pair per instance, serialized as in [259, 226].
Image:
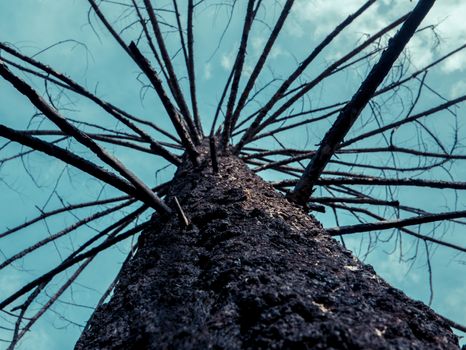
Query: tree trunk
[252, 271]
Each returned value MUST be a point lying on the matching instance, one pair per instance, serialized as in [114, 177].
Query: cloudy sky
[89, 56]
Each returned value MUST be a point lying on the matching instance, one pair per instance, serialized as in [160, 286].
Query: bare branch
[177, 93]
[50, 301]
[143, 23]
[55, 236]
[69, 158]
[252, 130]
[188, 53]
[181, 215]
[333, 68]
[352, 110]
[83, 138]
[389, 224]
[378, 181]
[68, 83]
[401, 228]
[238, 68]
[261, 61]
[325, 200]
[45, 215]
[191, 66]
[412, 118]
[72, 261]
[71, 207]
[171, 110]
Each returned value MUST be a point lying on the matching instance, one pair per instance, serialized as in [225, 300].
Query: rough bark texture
[253, 271]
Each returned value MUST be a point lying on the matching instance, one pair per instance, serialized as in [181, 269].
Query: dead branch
[378, 181]
[188, 53]
[252, 130]
[171, 110]
[191, 69]
[69, 158]
[67, 83]
[261, 61]
[401, 228]
[83, 138]
[181, 215]
[70, 262]
[55, 236]
[352, 110]
[173, 82]
[238, 69]
[325, 200]
[49, 302]
[412, 118]
[389, 224]
[143, 23]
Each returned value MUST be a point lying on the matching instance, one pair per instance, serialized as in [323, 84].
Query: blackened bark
[252, 271]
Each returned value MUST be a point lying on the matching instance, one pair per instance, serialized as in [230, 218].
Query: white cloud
[257, 43]
[10, 283]
[459, 88]
[227, 61]
[317, 18]
[276, 52]
[207, 71]
[395, 272]
[322, 16]
[452, 29]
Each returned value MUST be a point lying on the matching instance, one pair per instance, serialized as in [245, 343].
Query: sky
[91, 57]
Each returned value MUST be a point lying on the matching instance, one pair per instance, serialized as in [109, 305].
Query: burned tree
[224, 258]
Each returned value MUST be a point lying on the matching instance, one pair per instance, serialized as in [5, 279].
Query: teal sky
[91, 57]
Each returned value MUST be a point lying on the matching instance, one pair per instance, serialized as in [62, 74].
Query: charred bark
[252, 271]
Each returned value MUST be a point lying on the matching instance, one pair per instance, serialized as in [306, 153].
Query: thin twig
[181, 215]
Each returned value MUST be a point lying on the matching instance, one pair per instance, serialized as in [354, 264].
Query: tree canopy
[354, 113]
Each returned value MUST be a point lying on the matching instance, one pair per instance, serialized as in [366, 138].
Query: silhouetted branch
[70, 262]
[70, 84]
[115, 227]
[191, 68]
[325, 200]
[45, 215]
[412, 118]
[350, 113]
[261, 61]
[177, 93]
[82, 138]
[49, 302]
[389, 224]
[238, 69]
[402, 227]
[55, 236]
[252, 130]
[143, 23]
[69, 158]
[171, 110]
[383, 90]
[257, 126]
[378, 181]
